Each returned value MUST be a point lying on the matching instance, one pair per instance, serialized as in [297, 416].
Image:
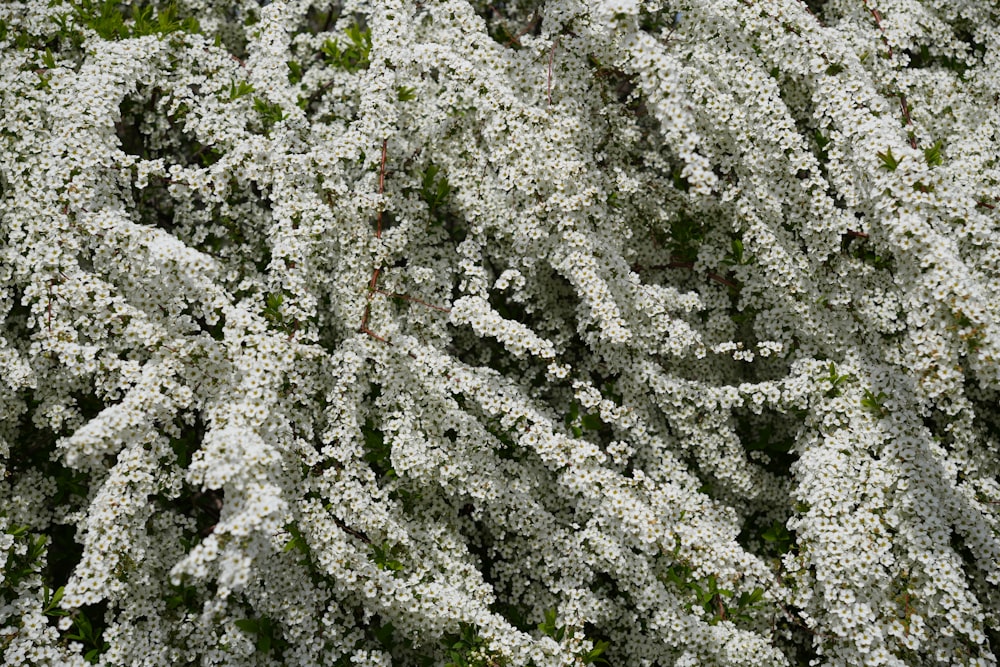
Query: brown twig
[659, 267]
[351, 531]
[376, 272]
[381, 189]
[372, 284]
[396, 295]
[722, 281]
[552, 53]
[516, 39]
[878, 24]
[906, 116]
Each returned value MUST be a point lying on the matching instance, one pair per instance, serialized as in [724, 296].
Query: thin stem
[552, 54]
[906, 116]
[396, 295]
[381, 189]
[722, 281]
[516, 39]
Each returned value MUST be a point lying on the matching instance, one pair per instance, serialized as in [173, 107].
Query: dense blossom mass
[385, 332]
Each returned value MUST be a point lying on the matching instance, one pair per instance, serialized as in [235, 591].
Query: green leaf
[270, 113]
[592, 422]
[353, 56]
[548, 626]
[50, 605]
[297, 542]
[874, 403]
[385, 556]
[434, 190]
[933, 154]
[594, 654]
[240, 89]
[836, 381]
[889, 161]
[405, 93]
[378, 453]
[294, 72]
[247, 625]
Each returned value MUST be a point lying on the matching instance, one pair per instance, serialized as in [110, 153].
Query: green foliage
[272, 308]
[778, 452]
[609, 390]
[715, 602]
[112, 20]
[834, 69]
[874, 403]
[82, 630]
[579, 422]
[933, 154]
[352, 56]
[24, 555]
[468, 649]
[593, 656]
[764, 442]
[184, 447]
[822, 142]
[836, 381]
[434, 190]
[49, 60]
[686, 235]
[294, 71]
[406, 93]
[384, 634]
[549, 629]
[889, 161]
[386, 556]
[270, 112]
[183, 598]
[237, 90]
[778, 537]
[922, 58]
[747, 601]
[378, 453]
[265, 631]
[167, 21]
[866, 254]
[736, 256]
[508, 449]
[297, 541]
[680, 182]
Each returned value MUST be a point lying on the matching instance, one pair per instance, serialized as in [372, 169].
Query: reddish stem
[722, 281]
[413, 299]
[552, 54]
[906, 116]
[381, 190]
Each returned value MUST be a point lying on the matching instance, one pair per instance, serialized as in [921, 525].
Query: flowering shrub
[511, 333]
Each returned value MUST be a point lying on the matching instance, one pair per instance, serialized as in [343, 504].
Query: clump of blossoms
[510, 333]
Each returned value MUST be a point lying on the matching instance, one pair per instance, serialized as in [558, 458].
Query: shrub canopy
[510, 333]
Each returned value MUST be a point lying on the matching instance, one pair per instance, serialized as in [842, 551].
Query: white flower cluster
[499, 333]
